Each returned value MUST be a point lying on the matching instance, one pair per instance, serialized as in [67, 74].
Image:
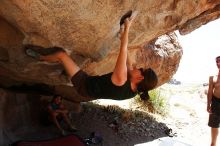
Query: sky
[200, 48]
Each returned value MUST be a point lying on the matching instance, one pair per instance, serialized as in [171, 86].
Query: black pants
[214, 117]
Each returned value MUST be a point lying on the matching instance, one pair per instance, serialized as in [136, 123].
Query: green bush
[158, 101]
[156, 104]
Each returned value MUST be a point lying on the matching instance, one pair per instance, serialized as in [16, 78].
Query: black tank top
[102, 87]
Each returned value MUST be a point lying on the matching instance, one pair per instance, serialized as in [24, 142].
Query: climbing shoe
[32, 53]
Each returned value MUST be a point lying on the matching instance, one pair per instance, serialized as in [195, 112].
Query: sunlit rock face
[88, 31]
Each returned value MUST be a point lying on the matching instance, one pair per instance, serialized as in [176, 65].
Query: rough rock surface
[88, 30]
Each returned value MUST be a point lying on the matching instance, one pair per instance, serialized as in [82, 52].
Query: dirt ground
[187, 118]
[118, 126]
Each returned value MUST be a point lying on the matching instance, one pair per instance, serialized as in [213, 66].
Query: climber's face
[218, 62]
[137, 74]
[57, 100]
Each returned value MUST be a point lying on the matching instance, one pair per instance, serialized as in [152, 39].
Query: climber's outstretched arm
[119, 76]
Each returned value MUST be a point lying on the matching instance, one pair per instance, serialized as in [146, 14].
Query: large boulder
[88, 31]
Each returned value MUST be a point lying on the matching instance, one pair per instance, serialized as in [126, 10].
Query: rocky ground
[123, 124]
[187, 118]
